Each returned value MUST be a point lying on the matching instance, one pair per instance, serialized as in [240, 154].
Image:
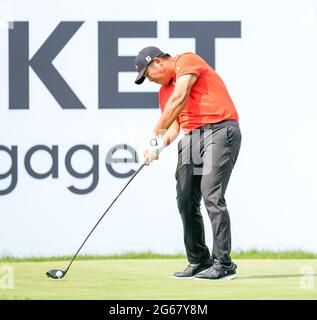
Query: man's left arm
[176, 102]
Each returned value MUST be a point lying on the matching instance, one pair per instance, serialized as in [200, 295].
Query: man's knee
[214, 199]
[184, 205]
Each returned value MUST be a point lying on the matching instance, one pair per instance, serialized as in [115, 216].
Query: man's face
[159, 71]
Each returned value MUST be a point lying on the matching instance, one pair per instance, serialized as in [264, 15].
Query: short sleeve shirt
[208, 101]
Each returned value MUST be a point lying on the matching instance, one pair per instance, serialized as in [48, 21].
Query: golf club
[58, 274]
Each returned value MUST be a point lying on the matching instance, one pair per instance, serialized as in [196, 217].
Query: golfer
[194, 98]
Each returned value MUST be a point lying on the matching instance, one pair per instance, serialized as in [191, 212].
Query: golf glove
[155, 147]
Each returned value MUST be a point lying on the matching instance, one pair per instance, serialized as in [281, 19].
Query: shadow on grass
[276, 276]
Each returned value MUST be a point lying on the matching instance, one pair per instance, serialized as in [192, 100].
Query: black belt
[216, 125]
[219, 124]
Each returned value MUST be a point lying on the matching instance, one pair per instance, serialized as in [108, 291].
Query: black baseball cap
[144, 58]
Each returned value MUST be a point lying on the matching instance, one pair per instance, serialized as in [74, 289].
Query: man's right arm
[171, 133]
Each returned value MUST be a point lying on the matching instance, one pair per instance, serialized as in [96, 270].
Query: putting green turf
[151, 279]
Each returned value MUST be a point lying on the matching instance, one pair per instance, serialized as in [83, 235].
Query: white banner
[68, 98]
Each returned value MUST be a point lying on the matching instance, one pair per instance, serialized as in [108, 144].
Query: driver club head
[56, 274]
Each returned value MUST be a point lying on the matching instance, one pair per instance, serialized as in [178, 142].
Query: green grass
[127, 255]
[267, 254]
[151, 279]
[249, 254]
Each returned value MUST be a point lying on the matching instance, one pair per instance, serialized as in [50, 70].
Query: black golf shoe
[218, 271]
[192, 269]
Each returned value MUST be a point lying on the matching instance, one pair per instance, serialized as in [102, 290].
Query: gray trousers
[206, 157]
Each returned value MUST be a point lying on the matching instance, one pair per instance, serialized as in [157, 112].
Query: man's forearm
[170, 135]
[176, 102]
[169, 115]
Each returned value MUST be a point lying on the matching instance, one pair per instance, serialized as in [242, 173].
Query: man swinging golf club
[194, 98]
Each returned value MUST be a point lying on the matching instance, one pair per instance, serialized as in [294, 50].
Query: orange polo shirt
[208, 101]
